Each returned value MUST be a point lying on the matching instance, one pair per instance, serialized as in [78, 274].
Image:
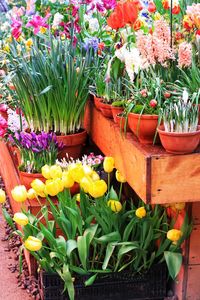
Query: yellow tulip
[20, 219]
[115, 205]
[95, 176]
[85, 183]
[108, 164]
[52, 188]
[78, 197]
[120, 177]
[157, 16]
[174, 235]
[67, 180]
[55, 172]
[19, 193]
[87, 170]
[141, 212]
[179, 206]
[33, 244]
[98, 188]
[59, 183]
[31, 194]
[2, 196]
[46, 172]
[76, 172]
[38, 186]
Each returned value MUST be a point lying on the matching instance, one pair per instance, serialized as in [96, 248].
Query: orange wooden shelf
[156, 176]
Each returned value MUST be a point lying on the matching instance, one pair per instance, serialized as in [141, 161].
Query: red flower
[152, 7]
[176, 10]
[165, 4]
[137, 25]
[198, 32]
[178, 36]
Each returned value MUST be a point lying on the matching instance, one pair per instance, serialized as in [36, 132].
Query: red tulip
[165, 4]
[137, 25]
[167, 95]
[152, 7]
[176, 10]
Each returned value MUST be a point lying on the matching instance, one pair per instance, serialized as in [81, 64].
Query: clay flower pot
[115, 111]
[179, 143]
[143, 126]
[121, 121]
[97, 101]
[73, 144]
[27, 178]
[106, 110]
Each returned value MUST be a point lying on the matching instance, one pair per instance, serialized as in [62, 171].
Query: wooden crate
[157, 177]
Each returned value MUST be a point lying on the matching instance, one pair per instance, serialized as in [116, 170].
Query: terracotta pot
[27, 178]
[143, 126]
[179, 143]
[121, 121]
[106, 110]
[115, 111]
[97, 101]
[199, 114]
[73, 144]
[75, 189]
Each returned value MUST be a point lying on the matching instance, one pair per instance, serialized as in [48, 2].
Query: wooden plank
[196, 213]
[193, 286]
[130, 159]
[176, 178]
[194, 254]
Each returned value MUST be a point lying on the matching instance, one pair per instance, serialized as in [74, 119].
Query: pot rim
[83, 132]
[143, 116]
[177, 134]
[31, 174]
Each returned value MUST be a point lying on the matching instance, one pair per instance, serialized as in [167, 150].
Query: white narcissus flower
[93, 24]
[57, 19]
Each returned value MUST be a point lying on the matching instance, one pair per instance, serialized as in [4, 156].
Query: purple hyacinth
[91, 43]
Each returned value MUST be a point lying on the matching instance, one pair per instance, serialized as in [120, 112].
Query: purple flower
[91, 43]
[109, 4]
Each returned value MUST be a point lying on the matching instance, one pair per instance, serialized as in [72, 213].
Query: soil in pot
[179, 143]
[115, 111]
[143, 126]
[73, 144]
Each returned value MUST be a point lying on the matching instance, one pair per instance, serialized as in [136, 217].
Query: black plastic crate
[115, 286]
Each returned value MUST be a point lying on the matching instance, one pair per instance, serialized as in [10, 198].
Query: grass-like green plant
[52, 85]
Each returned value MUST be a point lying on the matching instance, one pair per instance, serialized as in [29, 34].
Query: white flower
[93, 24]
[52, 1]
[133, 63]
[57, 19]
[121, 53]
[185, 96]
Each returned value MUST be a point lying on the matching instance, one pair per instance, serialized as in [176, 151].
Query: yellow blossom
[31, 194]
[55, 171]
[38, 186]
[108, 164]
[97, 188]
[46, 172]
[85, 183]
[174, 235]
[43, 30]
[67, 180]
[20, 218]
[95, 176]
[120, 177]
[78, 197]
[19, 193]
[115, 205]
[2, 196]
[33, 244]
[140, 212]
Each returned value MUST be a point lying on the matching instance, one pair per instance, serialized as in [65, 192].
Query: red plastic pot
[179, 143]
[73, 144]
[143, 126]
[115, 111]
[106, 110]
[27, 178]
[121, 121]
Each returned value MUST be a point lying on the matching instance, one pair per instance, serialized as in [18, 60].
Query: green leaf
[8, 218]
[82, 249]
[174, 262]
[112, 194]
[110, 237]
[90, 280]
[48, 88]
[61, 245]
[70, 245]
[109, 251]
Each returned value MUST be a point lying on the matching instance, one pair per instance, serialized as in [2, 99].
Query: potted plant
[52, 86]
[102, 241]
[143, 110]
[180, 133]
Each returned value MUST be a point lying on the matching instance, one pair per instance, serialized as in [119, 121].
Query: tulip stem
[108, 181]
[120, 191]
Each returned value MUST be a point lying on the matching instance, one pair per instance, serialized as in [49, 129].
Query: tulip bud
[38, 186]
[141, 212]
[31, 194]
[67, 180]
[52, 188]
[115, 205]
[120, 177]
[19, 193]
[20, 218]
[78, 197]
[167, 95]
[153, 103]
[76, 172]
[108, 164]
[152, 7]
[2, 196]
[98, 188]
[46, 172]
[55, 172]
[33, 244]
[174, 235]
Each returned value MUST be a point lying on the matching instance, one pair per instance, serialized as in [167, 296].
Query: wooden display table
[156, 176]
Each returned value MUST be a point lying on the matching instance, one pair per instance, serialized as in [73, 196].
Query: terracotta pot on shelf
[179, 143]
[106, 110]
[115, 111]
[121, 121]
[97, 101]
[143, 126]
[73, 144]
[27, 178]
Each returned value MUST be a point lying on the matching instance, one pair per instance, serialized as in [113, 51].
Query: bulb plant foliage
[100, 233]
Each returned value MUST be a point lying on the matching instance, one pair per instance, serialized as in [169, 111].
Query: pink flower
[185, 55]
[37, 22]
[3, 126]
[16, 28]
[3, 107]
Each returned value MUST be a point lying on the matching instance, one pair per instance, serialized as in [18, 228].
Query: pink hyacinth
[185, 55]
[37, 22]
[3, 126]
[16, 28]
